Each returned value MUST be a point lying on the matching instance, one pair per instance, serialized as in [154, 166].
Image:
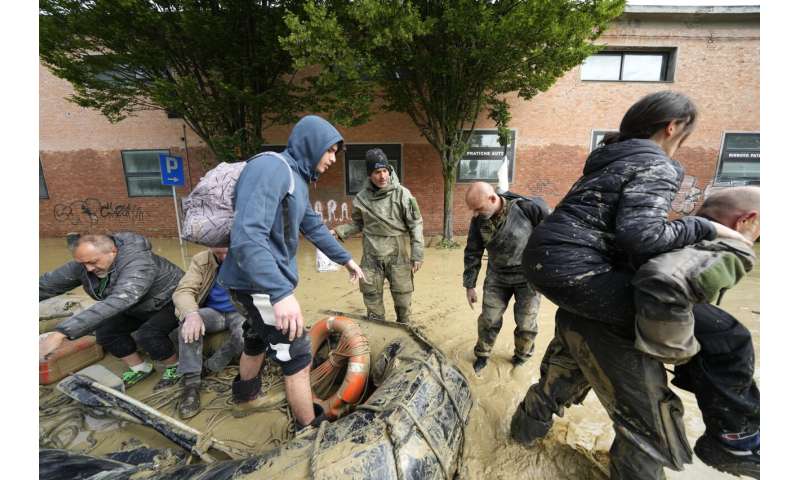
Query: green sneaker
[131, 377]
[169, 378]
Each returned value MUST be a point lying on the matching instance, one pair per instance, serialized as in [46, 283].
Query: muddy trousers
[190, 355]
[495, 301]
[721, 374]
[152, 333]
[401, 283]
[647, 416]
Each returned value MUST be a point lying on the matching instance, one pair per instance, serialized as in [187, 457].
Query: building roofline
[693, 10]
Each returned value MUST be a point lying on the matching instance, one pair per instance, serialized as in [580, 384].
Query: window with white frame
[630, 66]
[143, 173]
[739, 159]
[355, 159]
[42, 184]
[485, 157]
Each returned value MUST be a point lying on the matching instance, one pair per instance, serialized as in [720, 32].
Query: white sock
[144, 367]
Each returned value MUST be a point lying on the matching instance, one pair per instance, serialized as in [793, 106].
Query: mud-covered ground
[578, 444]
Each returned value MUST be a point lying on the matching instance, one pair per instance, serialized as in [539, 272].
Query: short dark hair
[653, 112]
[731, 202]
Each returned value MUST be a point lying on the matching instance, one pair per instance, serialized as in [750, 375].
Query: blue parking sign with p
[171, 170]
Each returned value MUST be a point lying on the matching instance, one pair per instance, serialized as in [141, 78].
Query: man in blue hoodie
[272, 208]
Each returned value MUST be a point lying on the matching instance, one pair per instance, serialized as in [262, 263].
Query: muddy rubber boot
[479, 364]
[517, 361]
[736, 462]
[190, 401]
[525, 429]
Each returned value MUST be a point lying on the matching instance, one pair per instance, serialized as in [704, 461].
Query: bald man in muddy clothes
[501, 225]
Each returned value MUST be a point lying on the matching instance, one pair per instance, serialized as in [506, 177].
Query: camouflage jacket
[139, 282]
[386, 216]
[667, 287]
[504, 237]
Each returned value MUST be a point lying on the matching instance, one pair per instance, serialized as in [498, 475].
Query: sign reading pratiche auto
[171, 170]
[485, 156]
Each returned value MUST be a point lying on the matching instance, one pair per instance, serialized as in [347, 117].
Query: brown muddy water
[577, 446]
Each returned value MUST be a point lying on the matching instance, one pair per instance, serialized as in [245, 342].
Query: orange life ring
[355, 381]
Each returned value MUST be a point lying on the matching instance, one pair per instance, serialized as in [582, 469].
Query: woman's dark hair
[652, 113]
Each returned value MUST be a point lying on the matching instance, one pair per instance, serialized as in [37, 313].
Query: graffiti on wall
[89, 211]
[690, 196]
[329, 215]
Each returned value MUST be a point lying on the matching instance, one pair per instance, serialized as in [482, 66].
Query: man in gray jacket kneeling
[133, 288]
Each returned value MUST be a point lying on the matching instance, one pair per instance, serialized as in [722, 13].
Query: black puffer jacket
[140, 282]
[615, 216]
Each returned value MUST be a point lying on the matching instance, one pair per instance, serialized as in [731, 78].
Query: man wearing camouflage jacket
[501, 225]
[387, 214]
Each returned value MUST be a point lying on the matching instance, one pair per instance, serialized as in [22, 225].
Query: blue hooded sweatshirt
[261, 256]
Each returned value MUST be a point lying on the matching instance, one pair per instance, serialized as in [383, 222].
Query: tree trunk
[449, 173]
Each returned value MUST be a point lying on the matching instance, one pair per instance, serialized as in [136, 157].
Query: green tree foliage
[217, 64]
[442, 62]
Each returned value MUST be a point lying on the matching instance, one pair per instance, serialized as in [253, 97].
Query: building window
[42, 184]
[630, 66]
[598, 136]
[739, 159]
[485, 156]
[143, 173]
[356, 163]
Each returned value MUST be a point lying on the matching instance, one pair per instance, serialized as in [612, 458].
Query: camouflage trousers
[496, 296]
[401, 284]
[647, 415]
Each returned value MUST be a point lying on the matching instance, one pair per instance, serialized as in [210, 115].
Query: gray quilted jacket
[140, 283]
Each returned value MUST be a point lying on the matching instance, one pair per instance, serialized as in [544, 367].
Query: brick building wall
[717, 64]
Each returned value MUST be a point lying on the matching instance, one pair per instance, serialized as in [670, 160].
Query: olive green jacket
[386, 216]
[668, 285]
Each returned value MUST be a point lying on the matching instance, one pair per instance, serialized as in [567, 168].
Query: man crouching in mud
[133, 287]
[272, 208]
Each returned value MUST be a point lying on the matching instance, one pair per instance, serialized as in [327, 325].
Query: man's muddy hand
[193, 328]
[49, 342]
[472, 297]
